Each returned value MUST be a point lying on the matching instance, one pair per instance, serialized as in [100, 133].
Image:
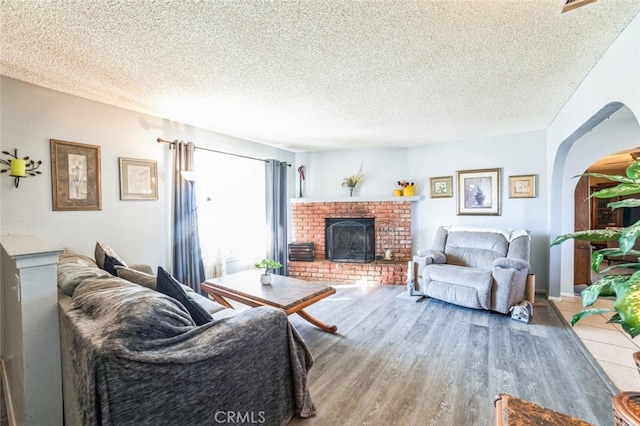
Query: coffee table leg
[221, 300]
[317, 323]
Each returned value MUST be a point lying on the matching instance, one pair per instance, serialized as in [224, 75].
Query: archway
[613, 129]
[593, 213]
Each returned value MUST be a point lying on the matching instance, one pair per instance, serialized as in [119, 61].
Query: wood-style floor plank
[395, 361]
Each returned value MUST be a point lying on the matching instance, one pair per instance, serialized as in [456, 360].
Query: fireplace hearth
[350, 240]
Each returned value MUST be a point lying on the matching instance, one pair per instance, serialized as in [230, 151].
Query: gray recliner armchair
[474, 267]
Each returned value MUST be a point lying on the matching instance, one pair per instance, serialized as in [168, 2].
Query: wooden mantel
[354, 199]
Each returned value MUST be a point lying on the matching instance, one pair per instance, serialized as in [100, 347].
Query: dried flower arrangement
[354, 180]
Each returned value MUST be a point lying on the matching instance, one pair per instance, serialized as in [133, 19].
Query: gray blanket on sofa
[139, 359]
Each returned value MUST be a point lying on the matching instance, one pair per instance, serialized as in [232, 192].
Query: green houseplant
[267, 265]
[624, 286]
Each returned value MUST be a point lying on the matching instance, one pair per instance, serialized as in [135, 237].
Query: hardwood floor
[397, 362]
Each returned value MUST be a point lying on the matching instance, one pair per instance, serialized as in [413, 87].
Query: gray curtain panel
[276, 202]
[188, 267]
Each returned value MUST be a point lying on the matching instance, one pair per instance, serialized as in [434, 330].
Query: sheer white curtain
[231, 211]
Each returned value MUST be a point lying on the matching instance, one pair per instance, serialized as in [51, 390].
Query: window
[230, 195]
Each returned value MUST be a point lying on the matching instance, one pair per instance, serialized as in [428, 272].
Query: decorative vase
[387, 254]
[397, 193]
[408, 191]
[265, 279]
[351, 191]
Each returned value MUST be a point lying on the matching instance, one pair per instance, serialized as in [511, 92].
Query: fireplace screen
[350, 240]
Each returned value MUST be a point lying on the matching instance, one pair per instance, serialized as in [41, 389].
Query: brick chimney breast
[393, 231]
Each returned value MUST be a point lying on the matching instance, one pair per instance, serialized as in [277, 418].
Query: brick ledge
[377, 272]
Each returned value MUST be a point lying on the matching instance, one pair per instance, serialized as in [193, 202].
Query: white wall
[326, 170]
[610, 137]
[514, 154]
[614, 79]
[138, 230]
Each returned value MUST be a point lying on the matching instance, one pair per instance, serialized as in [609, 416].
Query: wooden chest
[301, 252]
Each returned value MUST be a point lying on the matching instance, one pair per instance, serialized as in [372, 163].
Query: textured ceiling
[321, 74]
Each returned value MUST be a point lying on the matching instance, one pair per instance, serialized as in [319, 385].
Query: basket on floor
[626, 409]
[626, 405]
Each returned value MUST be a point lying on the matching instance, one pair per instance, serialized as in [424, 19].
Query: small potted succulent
[268, 265]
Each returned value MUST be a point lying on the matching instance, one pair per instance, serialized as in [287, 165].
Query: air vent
[574, 4]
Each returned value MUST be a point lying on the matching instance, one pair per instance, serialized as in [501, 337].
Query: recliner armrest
[431, 256]
[510, 263]
[427, 257]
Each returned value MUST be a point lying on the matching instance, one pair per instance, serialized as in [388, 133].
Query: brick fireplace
[392, 233]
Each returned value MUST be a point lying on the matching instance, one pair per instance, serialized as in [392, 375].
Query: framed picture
[441, 186]
[522, 186]
[138, 179]
[75, 176]
[479, 192]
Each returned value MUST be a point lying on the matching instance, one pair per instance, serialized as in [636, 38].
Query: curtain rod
[160, 140]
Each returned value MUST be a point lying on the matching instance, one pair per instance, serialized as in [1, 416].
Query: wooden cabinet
[582, 249]
[602, 216]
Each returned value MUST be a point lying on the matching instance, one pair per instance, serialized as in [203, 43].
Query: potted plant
[268, 265]
[353, 180]
[624, 286]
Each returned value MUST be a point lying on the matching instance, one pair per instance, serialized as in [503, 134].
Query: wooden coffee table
[289, 294]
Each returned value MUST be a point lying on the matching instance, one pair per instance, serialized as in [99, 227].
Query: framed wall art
[75, 176]
[441, 186]
[138, 179]
[479, 192]
[522, 186]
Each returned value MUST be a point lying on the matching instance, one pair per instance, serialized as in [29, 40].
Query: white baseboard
[562, 296]
[568, 295]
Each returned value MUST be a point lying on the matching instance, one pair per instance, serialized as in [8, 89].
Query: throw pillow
[136, 277]
[80, 258]
[110, 264]
[171, 287]
[107, 259]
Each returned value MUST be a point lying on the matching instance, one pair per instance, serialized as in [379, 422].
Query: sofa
[474, 267]
[133, 355]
